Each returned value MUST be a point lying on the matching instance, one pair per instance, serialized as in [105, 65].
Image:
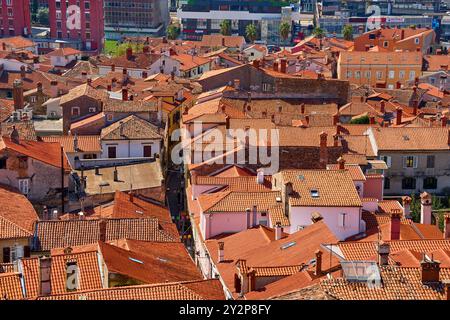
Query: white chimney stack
[221, 252]
[260, 176]
[425, 208]
[278, 231]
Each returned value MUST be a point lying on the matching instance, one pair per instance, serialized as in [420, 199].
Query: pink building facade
[15, 18]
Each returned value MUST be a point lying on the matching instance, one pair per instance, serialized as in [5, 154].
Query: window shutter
[416, 160]
[26, 251]
[6, 254]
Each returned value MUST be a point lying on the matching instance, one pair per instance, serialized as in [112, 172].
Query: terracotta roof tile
[131, 127]
[10, 286]
[411, 138]
[17, 210]
[88, 143]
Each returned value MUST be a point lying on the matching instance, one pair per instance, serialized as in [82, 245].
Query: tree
[285, 28]
[225, 27]
[347, 32]
[250, 32]
[172, 32]
[42, 16]
[361, 120]
[318, 32]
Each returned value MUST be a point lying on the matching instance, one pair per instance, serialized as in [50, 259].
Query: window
[3, 163]
[342, 222]
[23, 162]
[368, 74]
[430, 183]
[430, 161]
[147, 151]
[112, 152]
[410, 162]
[92, 109]
[387, 160]
[24, 186]
[379, 75]
[75, 111]
[349, 74]
[110, 117]
[391, 74]
[357, 74]
[412, 75]
[401, 74]
[416, 40]
[385, 44]
[409, 183]
[387, 183]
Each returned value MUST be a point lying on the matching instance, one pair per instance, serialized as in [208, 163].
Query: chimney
[403, 34]
[124, 94]
[124, 72]
[302, 107]
[278, 231]
[318, 267]
[144, 74]
[283, 65]
[22, 72]
[121, 128]
[45, 270]
[260, 176]
[116, 174]
[84, 75]
[395, 224]
[444, 121]
[425, 208]
[113, 82]
[108, 87]
[54, 88]
[341, 163]
[18, 94]
[14, 136]
[335, 119]
[97, 171]
[398, 85]
[89, 82]
[39, 87]
[146, 49]
[383, 253]
[131, 198]
[406, 201]
[335, 140]
[221, 253]
[399, 115]
[113, 68]
[129, 53]
[3, 46]
[75, 143]
[415, 104]
[447, 226]
[237, 84]
[275, 66]
[287, 191]
[372, 120]
[446, 284]
[323, 158]
[102, 230]
[430, 270]
[307, 120]
[223, 41]
[383, 106]
[256, 63]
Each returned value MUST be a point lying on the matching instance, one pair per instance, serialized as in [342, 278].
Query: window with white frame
[24, 186]
[391, 74]
[409, 162]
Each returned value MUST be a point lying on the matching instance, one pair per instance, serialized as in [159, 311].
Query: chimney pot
[221, 253]
[124, 94]
[323, 153]
[383, 253]
[383, 106]
[278, 231]
[406, 201]
[318, 267]
[395, 224]
[18, 98]
[399, 115]
[425, 208]
[341, 163]
[430, 270]
[256, 63]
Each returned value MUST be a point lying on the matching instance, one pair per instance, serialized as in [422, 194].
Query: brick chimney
[402, 34]
[144, 74]
[22, 72]
[18, 94]
[221, 253]
[278, 231]
[129, 53]
[45, 270]
[399, 115]
[108, 87]
[341, 163]
[318, 266]
[398, 85]
[335, 119]
[124, 94]
[447, 226]
[275, 66]
[283, 65]
[415, 105]
[131, 196]
[102, 230]
[383, 249]
[256, 63]
[372, 119]
[430, 270]
[39, 87]
[113, 68]
[237, 84]
[395, 224]
[444, 121]
[382, 106]
[323, 155]
[84, 75]
[425, 208]
[146, 49]
[406, 201]
[302, 108]
[446, 284]
[14, 136]
[54, 88]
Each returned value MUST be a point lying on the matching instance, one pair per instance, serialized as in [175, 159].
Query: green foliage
[347, 32]
[318, 32]
[436, 204]
[42, 16]
[115, 48]
[225, 27]
[251, 32]
[361, 120]
[285, 28]
[173, 31]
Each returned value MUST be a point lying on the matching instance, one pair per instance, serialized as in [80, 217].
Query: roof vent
[288, 245]
[136, 260]
[406, 138]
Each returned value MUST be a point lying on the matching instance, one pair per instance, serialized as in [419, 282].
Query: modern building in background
[135, 17]
[15, 18]
[200, 17]
[85, 33]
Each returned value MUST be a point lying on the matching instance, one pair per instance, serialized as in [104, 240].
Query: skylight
[162, 259]
[288, 245]
[135, 260]
[314, 193]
